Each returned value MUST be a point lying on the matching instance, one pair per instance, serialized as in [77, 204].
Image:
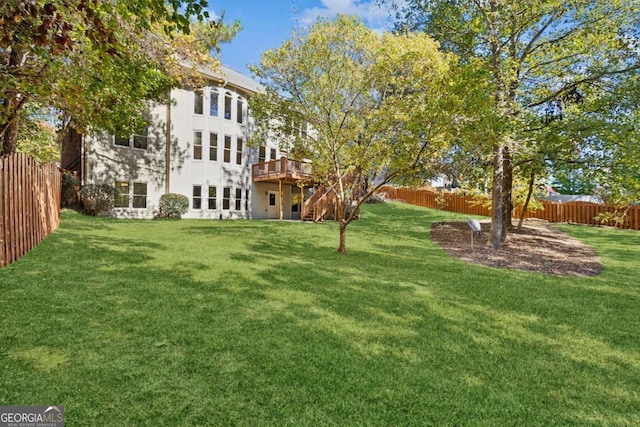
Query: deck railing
[283, 168]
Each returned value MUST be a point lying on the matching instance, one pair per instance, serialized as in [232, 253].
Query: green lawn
[262, 323]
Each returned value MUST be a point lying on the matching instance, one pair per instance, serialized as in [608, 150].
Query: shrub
[377, 198]
[172, 206]
[98, 198]
[70, 191]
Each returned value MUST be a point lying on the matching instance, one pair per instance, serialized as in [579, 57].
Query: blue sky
[266, 24]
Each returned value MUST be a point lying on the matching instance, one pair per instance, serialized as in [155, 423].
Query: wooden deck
[284, 170]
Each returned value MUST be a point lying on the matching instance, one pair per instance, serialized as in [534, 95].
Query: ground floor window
[139, 195]
[238, 199]
[130, 195]
[226, 198]
[212, 198]
[122, 194]
[197, 197]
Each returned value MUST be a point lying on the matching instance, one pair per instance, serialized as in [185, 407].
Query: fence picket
[29, 204]
[573, 212]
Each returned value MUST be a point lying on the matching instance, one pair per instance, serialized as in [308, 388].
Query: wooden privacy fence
[29, 204]
[572, 212]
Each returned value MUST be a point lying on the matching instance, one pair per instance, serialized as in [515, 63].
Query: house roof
[229, 76]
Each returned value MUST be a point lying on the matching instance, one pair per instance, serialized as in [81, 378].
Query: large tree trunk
[498, 233]
[495, 236]
[9, 137]
[507, 190]
[340, 210]
[342, 249]
[11, 104]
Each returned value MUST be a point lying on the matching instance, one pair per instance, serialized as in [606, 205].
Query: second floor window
[262, 154]
[138, 140]
[239, 151]
[213, 146]
[227, 149]
[197, 145]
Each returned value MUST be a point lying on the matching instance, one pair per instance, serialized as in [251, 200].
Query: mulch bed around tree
[539, 247]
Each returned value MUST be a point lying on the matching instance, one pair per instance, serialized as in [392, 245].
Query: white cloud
[374, 16]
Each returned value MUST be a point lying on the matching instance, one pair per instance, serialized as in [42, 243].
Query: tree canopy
[551, 65]
[97, 61]
[364, 108]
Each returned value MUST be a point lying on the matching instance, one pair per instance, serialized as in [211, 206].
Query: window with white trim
[226, 198]
[139, 195]
[122, 194]
[213, 146]
[213, 103]
[227, 149]
[198, 102]
[240, 111]
[130, 195]
[139, 140]
[227, 106]
[238, 199]
[212, 203]
[197, 145]
[239, 151]
[196, 198]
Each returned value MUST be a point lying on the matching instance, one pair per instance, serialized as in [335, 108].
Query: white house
[197, 146]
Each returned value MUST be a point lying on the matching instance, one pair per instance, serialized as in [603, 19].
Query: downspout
[167, 150]
[221, 134]
[301, 202]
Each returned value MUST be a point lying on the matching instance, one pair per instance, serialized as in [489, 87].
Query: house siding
[108, 163]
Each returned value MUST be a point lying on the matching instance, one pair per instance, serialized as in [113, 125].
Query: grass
[256, 323]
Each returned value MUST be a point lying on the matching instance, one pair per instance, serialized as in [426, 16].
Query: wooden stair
[317, 206]
[322, 202]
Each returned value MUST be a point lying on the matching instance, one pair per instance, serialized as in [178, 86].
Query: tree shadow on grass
[464, 331]
[290, 332]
